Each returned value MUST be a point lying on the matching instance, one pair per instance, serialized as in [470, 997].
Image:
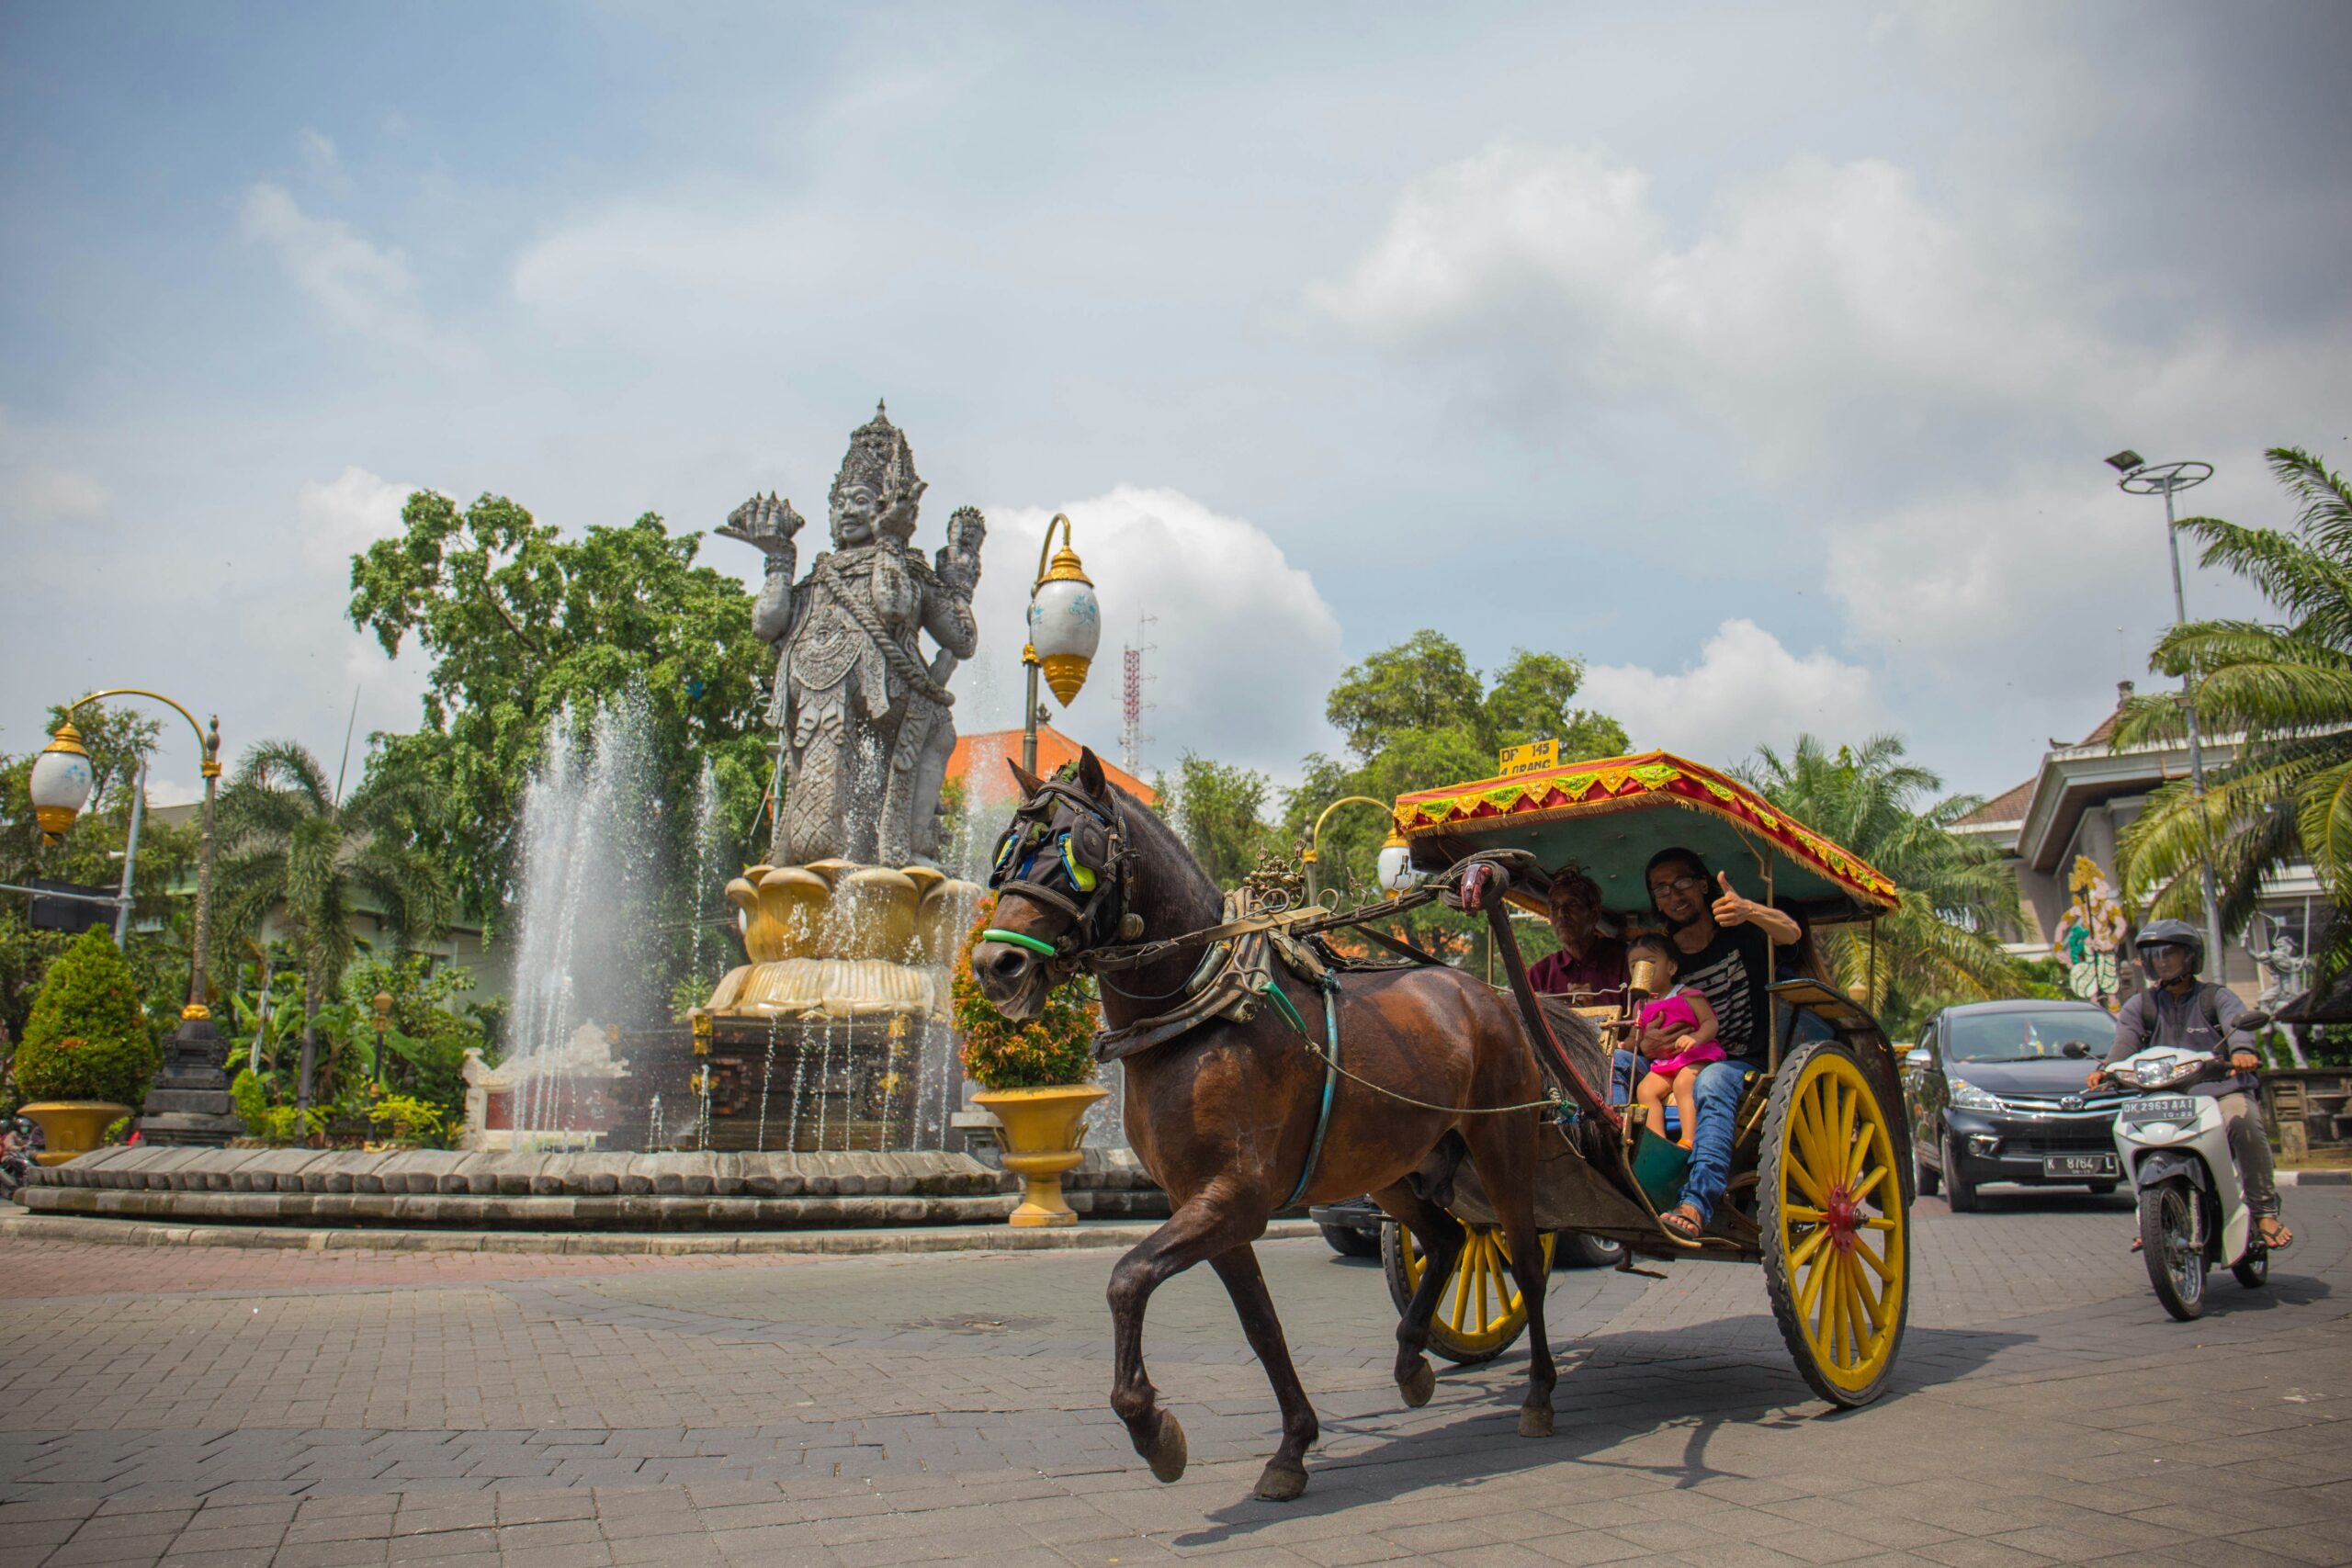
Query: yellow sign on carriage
[1533, 757]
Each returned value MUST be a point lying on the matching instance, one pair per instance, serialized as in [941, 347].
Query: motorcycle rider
[2178, 1009]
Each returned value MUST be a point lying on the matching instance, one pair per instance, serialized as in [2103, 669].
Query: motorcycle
[2173, 1144]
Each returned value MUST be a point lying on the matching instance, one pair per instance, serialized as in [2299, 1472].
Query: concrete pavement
[203, 1406]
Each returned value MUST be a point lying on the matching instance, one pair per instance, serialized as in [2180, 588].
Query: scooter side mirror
[2252, 1019]
[2076, 1049]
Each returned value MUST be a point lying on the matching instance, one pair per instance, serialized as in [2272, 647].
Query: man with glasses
[1726, 944]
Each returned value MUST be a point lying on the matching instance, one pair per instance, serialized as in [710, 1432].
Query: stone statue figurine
[862, 714]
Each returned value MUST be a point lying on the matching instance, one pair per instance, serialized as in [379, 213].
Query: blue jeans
[1717, 1096]
[1717, 1092]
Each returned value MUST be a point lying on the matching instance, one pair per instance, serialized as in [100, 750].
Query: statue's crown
[881, 459]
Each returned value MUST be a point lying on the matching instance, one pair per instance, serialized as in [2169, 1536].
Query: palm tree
[300, 851]
[1940, 943]
[2284, 689]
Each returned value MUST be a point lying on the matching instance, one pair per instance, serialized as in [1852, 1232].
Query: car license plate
[2178, 1108]
[2079, 1165]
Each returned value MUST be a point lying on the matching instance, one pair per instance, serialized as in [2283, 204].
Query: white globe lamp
[61, 783]
[1064, 624]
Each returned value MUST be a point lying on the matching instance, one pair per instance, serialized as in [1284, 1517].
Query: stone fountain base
[504, 1191]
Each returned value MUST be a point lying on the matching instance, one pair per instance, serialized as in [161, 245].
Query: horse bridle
[1090, 853]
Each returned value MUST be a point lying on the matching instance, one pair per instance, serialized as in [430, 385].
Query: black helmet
[2170, 933]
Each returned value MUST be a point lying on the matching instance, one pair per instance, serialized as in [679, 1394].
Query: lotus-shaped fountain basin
[843, 939]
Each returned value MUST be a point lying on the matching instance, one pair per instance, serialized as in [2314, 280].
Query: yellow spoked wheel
[1837, 1234]
[1479, 1313]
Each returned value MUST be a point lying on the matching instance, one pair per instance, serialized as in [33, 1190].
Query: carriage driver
[1725, 945]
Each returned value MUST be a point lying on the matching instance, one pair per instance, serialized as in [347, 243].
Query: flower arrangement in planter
[88, 1052]
[1033, 1078]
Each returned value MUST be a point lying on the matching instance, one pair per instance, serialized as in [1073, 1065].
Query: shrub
[252, 1101]
[1055, 1048]
[88, 1038]
[408, 1119]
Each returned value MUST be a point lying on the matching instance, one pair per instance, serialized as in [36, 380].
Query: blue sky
[1763, 356]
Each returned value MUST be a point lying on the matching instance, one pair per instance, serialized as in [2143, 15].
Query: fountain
[817, 1085]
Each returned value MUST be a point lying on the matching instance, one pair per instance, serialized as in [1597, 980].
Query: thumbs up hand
[1730, 909]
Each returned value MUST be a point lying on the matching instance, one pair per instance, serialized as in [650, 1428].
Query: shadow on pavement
[1640, 1382]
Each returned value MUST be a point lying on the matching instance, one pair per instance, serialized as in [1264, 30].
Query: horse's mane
[1147, 825]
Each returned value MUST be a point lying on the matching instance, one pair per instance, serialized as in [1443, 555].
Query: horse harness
[1093, 855]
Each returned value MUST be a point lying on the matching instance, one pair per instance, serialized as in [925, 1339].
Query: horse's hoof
[1282, 1480]
[1418, 1385]
[1168, 1455]
[1534, 1422]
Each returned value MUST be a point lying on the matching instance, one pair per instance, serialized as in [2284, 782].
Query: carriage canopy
[1604, 816]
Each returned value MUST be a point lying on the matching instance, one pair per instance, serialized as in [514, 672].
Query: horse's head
[1064, 876]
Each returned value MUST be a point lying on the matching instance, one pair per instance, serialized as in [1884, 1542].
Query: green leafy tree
[1419, 716]
[521, 624]
[1219, 813]
[118, 739]
[88, 1037]
[291, 848]
[1939, 946]
[2285, 687]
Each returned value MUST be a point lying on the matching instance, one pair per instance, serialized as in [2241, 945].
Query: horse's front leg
[1439, 1236]
[1503, 1149]
[1208, 1223]
[1286, 1474]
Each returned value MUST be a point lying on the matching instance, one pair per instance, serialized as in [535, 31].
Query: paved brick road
[209, 1406]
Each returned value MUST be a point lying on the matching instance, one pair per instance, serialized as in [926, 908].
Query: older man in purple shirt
[1587, 963]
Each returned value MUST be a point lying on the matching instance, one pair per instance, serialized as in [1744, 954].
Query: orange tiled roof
[982, 758]
[2007, 807]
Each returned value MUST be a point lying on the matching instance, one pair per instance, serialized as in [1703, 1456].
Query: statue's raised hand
[959, 561]
[766, 523]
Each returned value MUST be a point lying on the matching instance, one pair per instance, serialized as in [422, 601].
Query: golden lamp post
[1394, 867]
[1064, 628]
[190, 1101]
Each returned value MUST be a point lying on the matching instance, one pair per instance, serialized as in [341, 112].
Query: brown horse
[1223, 1116]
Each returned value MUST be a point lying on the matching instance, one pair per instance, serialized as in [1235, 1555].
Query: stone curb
[2315, 1179]
[924, 1238]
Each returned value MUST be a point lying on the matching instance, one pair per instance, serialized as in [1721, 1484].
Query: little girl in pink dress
[1676, 1033]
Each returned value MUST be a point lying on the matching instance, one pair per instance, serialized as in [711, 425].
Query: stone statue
[2287, 966]
[861, 712]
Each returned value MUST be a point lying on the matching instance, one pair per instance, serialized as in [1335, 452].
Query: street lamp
[1395, 866]
[1064, 628]
[383, 1005]
[2141, 477]
[190, 1101]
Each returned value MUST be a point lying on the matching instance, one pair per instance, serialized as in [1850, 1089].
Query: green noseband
[1018, 939]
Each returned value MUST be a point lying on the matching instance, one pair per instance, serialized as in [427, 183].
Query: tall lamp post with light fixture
[1393, 870]
[189, 1102]
[1064, 628]
[2139, 477]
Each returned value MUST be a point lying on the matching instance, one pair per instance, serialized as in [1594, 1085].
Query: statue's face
[856, 512]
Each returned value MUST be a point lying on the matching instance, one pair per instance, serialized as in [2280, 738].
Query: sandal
[2276, 1236]
[1682, 1222]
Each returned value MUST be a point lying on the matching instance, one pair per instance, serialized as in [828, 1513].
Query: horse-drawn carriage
[1266, 1069]
[1820, 1164]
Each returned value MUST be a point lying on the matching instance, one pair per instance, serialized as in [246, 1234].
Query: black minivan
[1996, 1093]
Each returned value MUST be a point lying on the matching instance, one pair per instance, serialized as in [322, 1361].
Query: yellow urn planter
[1042, 1131]
[73, 1126]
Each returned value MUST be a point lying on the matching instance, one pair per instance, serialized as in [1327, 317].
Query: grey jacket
[2204, 1019]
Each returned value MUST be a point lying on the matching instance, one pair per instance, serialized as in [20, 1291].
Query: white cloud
[40, 493]
[1242, 648]
[360, 286]
[346, 514]
[1825, 312]
[322, 162]
[1744, 689]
